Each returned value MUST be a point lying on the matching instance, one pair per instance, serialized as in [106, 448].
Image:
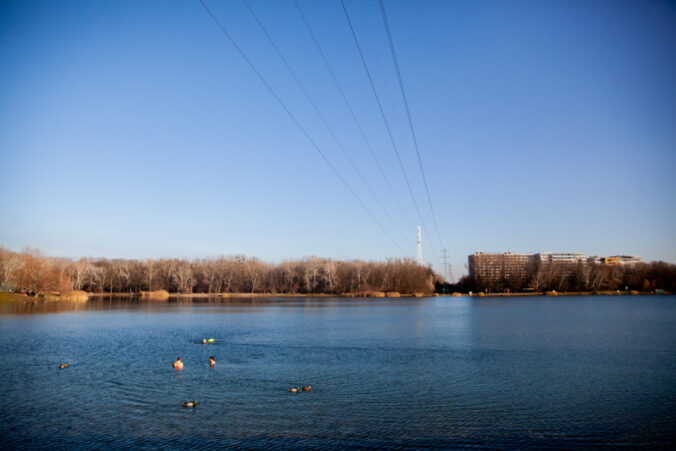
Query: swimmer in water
[178, 364]
[212, 361]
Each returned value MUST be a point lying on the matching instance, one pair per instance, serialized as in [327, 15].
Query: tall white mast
[419, 248]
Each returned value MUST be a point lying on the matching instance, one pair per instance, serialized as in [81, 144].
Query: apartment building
[627, 260]
[487, 266]
[560, 257]
[495, 267]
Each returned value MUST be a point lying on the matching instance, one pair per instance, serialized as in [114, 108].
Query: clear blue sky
[135, 129]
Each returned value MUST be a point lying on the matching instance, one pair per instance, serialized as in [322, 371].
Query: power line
[410, 121]
[353, 115]
[298, 124]
[321, 116]
[382, 113]
[379, 66]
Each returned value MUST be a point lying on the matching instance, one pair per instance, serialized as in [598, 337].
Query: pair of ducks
[295, 389]
[193, 404]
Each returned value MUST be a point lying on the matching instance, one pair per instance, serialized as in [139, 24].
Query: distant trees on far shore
[580, 277]
[32, 272]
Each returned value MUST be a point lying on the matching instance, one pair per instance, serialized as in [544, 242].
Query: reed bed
[75, 296]
[157, 295]
[365, 294]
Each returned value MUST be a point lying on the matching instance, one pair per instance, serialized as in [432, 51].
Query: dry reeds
[417, 294]
[393, 294]
[157, 295]
[75, 296]
[365, 294]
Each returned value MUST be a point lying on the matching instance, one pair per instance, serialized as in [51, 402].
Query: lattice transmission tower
[448, 274]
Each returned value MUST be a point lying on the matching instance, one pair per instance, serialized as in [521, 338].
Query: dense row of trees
[32, 272]
[582, 277]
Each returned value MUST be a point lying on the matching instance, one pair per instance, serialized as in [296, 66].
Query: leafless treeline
[587, 277]
[32, 272]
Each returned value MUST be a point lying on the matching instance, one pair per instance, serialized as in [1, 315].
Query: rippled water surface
[532, 372]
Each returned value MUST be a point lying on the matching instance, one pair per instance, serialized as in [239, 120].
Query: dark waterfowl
[307, 388]
[63, 365]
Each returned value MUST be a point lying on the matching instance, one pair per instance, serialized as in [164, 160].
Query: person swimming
[178, 364]
[212, 361]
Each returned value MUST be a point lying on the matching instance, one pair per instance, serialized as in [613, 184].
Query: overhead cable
[321, 116]
[353, 115]
[298, 124]
[410, 121]
[382, 113]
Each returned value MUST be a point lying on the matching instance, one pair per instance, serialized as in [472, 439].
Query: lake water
[529, 372]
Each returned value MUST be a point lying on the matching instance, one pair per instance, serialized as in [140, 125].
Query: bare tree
[9, 264]
[183, 276]
[78, 272]
[254, 272]
[149, 272]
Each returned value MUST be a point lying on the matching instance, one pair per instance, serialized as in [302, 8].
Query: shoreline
[569, 293]
[14, 298]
